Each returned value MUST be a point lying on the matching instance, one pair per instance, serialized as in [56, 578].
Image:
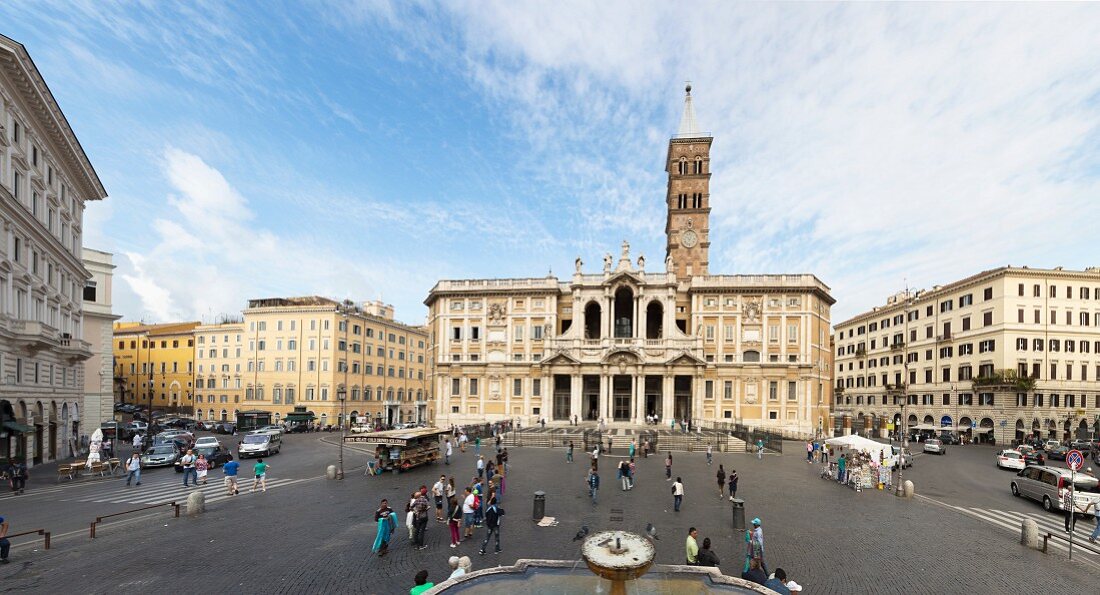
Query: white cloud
[210, 256]
[870, 144]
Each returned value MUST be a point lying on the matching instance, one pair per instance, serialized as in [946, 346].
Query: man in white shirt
[677, 493]
[133, 466]
[137, 441]
[447, 453]
[468, 513]
[437, 493]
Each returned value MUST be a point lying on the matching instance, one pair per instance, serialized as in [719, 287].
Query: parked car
[1032, 455]
[361, 428]
[255, 445]
[906, 459]
[271, 428]
[1049, 445]
[207, 441]
[1058, 452]
[206, 425]
[1046, 484]
[298, 429]
[1010, 459]
[947, 438]
[1082, 444]
[161, 455]
[934, 446]
[214, 453]
[225, 427]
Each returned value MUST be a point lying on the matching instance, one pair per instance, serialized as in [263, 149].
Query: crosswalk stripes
[1010, 520]
[169, 491]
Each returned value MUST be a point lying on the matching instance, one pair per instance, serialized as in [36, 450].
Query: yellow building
[154, 364]
[309, 351]
[625, 343]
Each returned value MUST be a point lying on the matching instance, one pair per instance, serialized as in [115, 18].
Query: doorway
[590, 388]
[38, 440]
[653, 404]
[622, 397]
[562, 398]
[681, 390]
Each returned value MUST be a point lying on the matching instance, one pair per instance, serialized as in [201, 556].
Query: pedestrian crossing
[1048, 523]
[153, 490]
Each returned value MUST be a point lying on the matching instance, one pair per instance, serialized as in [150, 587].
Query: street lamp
[900, 490]
[955, 395]
[342, 396]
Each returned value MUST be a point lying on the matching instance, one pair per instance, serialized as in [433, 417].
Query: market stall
[868, 462]
[398, 450]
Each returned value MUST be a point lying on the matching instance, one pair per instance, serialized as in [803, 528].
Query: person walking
[691, 547]
[631, 476]
[733, 484]
[137, 442]
[593, 483]
[19, 475]
[449, 494]
[710, 454]
[624, 474]
[5, 545]
[477, 445]
[448, 451]
[492, 524]
[707, 557]
[259, 471]
[759, 449]
[437, 495]
[453, 521]
[386, 519]
[1095, 506]
[188, 463]
[133, 468]
[480, 466]
[842, 469]
[810, 452]
[420, 518]
[230, 470]
[569, 453]
[202, 466]
[677, 494]
[468, 507]
[721, 482]
[645, 448]
[633, 447]
[462, 441]
[668, 467]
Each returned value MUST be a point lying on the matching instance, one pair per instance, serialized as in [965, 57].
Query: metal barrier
[99, 519]
[44, 533]
[1083, 543]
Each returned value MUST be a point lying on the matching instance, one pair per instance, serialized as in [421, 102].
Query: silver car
[935, 446]
[164, 455]
[906, 459]
[1048, 484]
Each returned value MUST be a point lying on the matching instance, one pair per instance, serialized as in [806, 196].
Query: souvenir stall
[868, 462]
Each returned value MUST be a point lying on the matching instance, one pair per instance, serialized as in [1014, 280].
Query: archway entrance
[592, 321]
[681, 390]
[654, 319]
[622, 394]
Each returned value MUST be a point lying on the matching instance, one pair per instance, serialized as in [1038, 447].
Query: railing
[99, 519]
[44, 533]
[1083, 543]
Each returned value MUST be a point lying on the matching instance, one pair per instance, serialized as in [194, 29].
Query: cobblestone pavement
[315, 536]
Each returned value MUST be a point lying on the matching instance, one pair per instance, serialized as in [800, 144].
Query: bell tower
[687, 224]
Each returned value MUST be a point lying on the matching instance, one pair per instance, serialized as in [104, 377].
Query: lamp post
[342, 396]
[955, 395]
[900, 490]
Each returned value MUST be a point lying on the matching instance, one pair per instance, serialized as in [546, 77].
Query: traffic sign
[1074, 460]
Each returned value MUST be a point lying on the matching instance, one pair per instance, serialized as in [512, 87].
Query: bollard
[330, 472]
[1029, 533]
[196, 503]
[909, 491]
[738, 516]
[540, 505]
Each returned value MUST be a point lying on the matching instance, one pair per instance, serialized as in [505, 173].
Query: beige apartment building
[1004, 354]
[627, 342]
[45, 182]
[155, 364]
[334, 358]
[98, 329]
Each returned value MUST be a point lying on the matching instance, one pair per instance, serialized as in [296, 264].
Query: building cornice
[20, 68]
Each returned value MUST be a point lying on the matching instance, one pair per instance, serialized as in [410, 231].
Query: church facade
[628, 345]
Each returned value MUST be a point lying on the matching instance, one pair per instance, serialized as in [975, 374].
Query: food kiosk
[398, 450]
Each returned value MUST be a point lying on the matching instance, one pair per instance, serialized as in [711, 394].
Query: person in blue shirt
[230, 469]
[593, 483]
[778, 582]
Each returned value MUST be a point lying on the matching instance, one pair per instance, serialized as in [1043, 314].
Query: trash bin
[738, 515]
[540, 507]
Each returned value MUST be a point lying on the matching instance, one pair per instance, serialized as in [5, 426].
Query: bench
[65, 471]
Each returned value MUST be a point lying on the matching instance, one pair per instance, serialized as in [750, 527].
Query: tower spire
[688, 126]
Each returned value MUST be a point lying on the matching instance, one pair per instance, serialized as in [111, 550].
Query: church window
[698, 165]
[682, 167]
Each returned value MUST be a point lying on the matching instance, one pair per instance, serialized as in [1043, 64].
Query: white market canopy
[861, 444]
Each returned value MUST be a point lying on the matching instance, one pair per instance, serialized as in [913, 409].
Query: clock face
[689, 239]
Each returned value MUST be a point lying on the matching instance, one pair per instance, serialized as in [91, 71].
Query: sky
[365, 149]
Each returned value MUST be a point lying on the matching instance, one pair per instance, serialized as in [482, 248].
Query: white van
[1047, 484]
[260, 444]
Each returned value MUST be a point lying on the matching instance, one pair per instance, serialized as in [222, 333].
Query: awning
[299, 416]
[923, 427]
[18, 427]
[982, 430]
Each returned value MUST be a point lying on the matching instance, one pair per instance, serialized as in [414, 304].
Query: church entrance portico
[653, 401]
[591, 400]
[562, 398]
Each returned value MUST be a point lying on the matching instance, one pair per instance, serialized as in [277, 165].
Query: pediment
[628, 277]
[685, 358]
[560, 357]
[621, 355]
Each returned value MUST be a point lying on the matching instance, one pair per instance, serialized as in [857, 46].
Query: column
[575, 386]
[697, 385]
[604, 387]
[637, 382]
[666, 399]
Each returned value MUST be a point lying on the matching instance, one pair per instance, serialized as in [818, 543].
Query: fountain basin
[566, 577]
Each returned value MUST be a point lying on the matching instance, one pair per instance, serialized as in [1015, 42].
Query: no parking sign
[1075, 460]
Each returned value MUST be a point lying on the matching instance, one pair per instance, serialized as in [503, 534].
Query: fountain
[618, 556]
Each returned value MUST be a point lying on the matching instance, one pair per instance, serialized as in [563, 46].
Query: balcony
[900, 345]
[1004, 380]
